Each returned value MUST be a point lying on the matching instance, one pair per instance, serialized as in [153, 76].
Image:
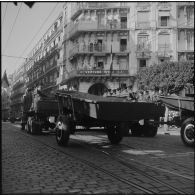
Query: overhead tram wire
[12, 28]
[4, 13]
[38, 30]
[13, 56]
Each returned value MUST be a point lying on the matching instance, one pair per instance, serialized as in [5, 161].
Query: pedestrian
[140, 96]
[114, 92]
[124, 93]
[118, 92]
[105, 93]
[166, 117]
[146, 96]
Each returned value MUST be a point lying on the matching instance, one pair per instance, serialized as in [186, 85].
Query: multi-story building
[18, 90]
[139, 33]
[185, 27]
[96, 35]
[44, 61]
[5, 97]
[92, 46]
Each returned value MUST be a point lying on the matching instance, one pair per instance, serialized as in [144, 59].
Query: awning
[164, 13]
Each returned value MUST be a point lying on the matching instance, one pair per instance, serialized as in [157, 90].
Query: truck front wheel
[62, 130]
[187, 132]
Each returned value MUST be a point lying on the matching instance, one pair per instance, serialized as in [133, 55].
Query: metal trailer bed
[185, 106]
[114, 114]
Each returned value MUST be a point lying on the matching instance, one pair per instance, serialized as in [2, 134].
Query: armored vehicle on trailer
[39, 112]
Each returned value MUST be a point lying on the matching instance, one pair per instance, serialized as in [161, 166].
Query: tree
[168, 76]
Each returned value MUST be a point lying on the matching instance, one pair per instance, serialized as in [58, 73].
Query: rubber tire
[28, 127]
[185, 138]
[136, 130]
[63, 133]
[22, 126]
[115, 133]
[150, 130]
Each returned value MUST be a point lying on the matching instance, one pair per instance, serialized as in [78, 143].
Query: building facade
[45, 60]
[185, 30]
[5, 97]
[18, 90]
[92, 46]
[132, 35]
[97, 46]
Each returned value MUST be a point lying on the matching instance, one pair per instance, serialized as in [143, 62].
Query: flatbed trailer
[185, 107]
[114, 114]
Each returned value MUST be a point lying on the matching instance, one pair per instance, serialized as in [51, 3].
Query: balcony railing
[102, 72]
[185, 3]
[96, 73]
[143, 47]
[95, 5]
[143, 6]
[164, 6]
[83, 26]
[164, 47]
[186, 24]
[82, 49]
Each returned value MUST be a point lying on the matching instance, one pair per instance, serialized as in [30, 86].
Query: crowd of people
[136, 96]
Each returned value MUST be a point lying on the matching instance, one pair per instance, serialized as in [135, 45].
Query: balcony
[143, 25]
[164, 6]
[143, 50]
[164, 50]
[185, 3]
[100, 72]
[89, 49]
[142, 6]
[78, 8]
[95, 73]
[188, 24]
[56, 30]
[84, 26]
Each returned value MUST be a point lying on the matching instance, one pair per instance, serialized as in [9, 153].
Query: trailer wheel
[22, 126]
[150, 130]
[27, 127]
[136, 130]
[62, 130]
[187, 132]
[115, 133]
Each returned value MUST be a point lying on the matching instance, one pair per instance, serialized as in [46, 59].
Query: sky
[16, 37]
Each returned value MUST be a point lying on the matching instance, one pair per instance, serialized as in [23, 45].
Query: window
[164, 21]
[142, 63]
[100, 65]
[123, 22]
[123, 44]
[163, 42]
